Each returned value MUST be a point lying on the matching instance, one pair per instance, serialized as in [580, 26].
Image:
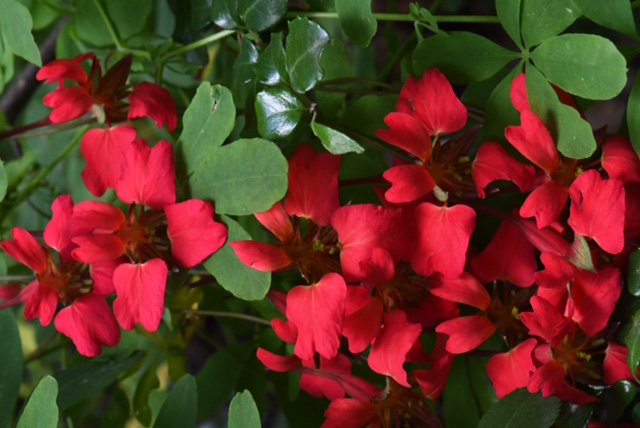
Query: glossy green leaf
[635, 414]
[633, 114]
[305, 44]
[244, 74]
[334, 141]
[240, 280]
[462, 56]
[574, 416]
[259, 15]
[208, 121]
[614, 14]
[508, 12]
[243, 412]
[616, 399]
[93, 376]
[222, 369]
[279, 112]
[90, 24]
[15, 28]
[336, 65]
[128, 24]
[4, 181]
[573, 135]
[225, 13]
[181, 407]
[242, 178]
[632, 341]
[586, 65]
[271, 68]
[41, 411]
[357, 21]
[522, 409]
[11, 362]
[148, 382]
[633, 278]
[543, 19]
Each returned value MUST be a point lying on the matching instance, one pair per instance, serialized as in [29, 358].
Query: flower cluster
[383, 280]
[94, 249]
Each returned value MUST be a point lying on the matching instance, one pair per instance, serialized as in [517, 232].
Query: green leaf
[616, 399]
[41, 411]
[15, 27]
[633, 278]
[522, 409]
[305, 43]
[147, 383]
[586, 65]
[572, 415]
[271, 68]
[278, 111]
[357, 21]
[240, 280]
[614, 14]
[225, 13]
[208, 121]
[4, 181]
[222, 369]
[499, 112]
[128, 24]
[243, 412]
[261, 14]
[90, 24]
[573, 135]
[92, 376]
[11, 362]
[462, 56]
[542, 19]
[118, 410]
[244, 75]
[334, 141]
[192, 19]
[181, 407]
[633, 114]
[459, 395]
[508, 12]
[242, 178]
[633, 344]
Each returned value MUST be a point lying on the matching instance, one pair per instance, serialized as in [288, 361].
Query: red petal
[313, 185]
[68, 104]
[443, 238]
[362, 326]
[324, 383]
[550, 379]
[391, 345]
[436, 104]
[406, 132]
[632, 210]
[433, 381]
[285, 331]
[97, 215]
[512, 370]
[154, 102]
[104, 151]
[380, 268]
[545, 321]
[276, 362]
[260, 256]
[318, 313]
[509, 256]
[140, 289]
[534, 141]
[149, 177]
[408, 183]
[102, 276]
[98, 248]
[595, 297]
[25, 249]
[40, 301]
[518, 93]
[277, 221]
[558, 271]
[465, 289]
[361, 229]
[545, 203]
[545, 240]
[466, 333]
[597, 210]
[348, 412]
[620, 160]
[89, 323]
[57, 234]
[494, 163]
[193, 232]
[63, 69]
[615, 364]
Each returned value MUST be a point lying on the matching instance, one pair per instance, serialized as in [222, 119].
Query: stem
[23, 131]
[17, 278]
[398, 17]
[187, 48]
[222, 314]
[107, 22]
[42, 350]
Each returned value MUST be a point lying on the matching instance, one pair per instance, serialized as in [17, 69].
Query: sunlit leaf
[614, 14]
[508, 12]
[305, 43]
[261, 14]
[334, 141]
[243, 412]
[15, 28]
[278, 111]
[41, 411]
[542, 19]
[271, 68]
